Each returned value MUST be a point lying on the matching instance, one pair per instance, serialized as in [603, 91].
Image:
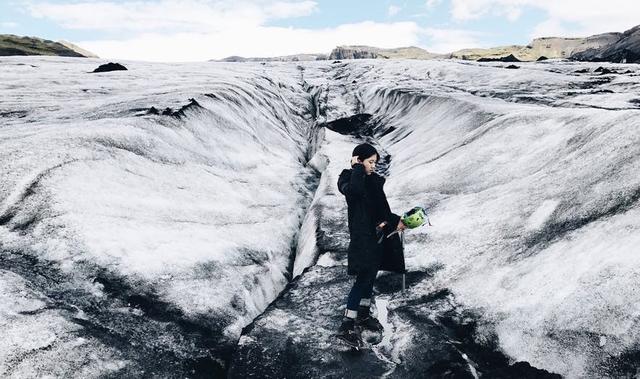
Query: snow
[529, 176]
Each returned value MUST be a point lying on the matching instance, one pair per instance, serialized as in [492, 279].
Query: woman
[370, 222]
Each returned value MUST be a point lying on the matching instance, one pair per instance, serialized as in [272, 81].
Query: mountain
[611, 47]
[625, 49]
[16, 45]
[346, 52]
[549, 47]
[284, 58]
[368, 52]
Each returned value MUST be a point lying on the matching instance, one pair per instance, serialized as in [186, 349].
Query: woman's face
[370, 164]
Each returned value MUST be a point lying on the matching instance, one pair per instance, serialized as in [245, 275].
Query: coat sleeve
[391, 218]
[351, 183]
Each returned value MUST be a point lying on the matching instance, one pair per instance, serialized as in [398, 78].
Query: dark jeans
[361, 289]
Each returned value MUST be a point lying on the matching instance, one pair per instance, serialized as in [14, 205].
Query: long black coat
[368, 207]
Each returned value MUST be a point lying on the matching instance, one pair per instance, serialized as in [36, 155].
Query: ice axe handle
[395, 232]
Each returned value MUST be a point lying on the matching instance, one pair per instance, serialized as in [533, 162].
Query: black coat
[368, 207]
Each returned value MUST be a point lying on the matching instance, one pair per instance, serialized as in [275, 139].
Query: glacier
[182, 220]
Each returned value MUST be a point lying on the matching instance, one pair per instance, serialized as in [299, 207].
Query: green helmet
[415, 217]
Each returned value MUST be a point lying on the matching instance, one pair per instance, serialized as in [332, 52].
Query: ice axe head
[415, 217]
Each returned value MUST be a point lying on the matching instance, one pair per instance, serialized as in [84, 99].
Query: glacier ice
[198, 219]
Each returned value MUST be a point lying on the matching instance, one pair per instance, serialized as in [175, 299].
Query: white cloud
[566, 17]
[450, 40]
[513, 13]
[282, 9]
[473, 9]
[432, 3]
[555, 28]
[8, 24]
[254, 41]
[182, 16]
[393, 10]
[588, 17]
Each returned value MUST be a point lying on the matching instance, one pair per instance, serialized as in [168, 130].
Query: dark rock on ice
[355, 125]
[512, 66]
[110, 67]
[17, 114]
[181, 112]
[193, 103]
[604, 71]
[508, 58]
[542, 58]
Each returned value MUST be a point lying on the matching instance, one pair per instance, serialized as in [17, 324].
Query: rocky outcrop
[354, 52]
[110, 67]
[555, 47]
[547, 47]
[624, 48]
[369, 52]
[508, 58]
[490, 53]
[16, 45]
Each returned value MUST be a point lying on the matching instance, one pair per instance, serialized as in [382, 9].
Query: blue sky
[163, 30]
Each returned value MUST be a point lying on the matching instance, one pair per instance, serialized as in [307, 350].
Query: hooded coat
[367, 208]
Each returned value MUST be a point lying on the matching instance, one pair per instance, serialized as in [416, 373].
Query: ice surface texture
[174, 228]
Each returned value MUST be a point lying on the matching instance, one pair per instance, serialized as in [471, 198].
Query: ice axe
[414, 218]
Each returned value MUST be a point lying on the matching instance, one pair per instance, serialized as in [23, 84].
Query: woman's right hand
[355, 160]
[401, 226]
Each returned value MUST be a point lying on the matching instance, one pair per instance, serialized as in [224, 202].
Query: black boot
[365, 320]
[349, 333]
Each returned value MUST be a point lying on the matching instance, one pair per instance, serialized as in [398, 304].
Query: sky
[198, 30]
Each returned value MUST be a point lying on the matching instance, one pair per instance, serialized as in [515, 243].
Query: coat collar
[379, 180]
[375, 177]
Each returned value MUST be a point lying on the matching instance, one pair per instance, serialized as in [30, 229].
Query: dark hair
[364, 151]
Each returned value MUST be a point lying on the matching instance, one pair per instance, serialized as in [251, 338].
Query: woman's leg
[367, 290]
[361, 289]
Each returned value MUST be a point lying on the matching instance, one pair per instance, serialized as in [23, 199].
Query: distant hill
[610, 47]
[549, 47]
[285, 58]
[347, 52]
[625, 49]
[16, 45]
[368, 52]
